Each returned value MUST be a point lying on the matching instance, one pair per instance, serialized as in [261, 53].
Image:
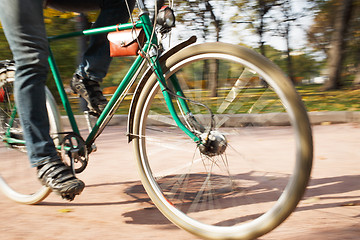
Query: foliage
[306, 67]
[65, 51]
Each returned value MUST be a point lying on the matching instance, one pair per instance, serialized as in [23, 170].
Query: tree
[336, 33]
[338, 44]
[256, 16]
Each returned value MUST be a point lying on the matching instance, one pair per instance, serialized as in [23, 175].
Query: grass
[345, 99]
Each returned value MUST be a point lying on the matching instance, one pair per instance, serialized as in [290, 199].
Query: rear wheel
[256, 161]
[18, 180]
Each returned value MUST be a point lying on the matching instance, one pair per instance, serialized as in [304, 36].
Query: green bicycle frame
[104, 118]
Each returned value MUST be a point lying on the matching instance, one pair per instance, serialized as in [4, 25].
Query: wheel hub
[213, 143]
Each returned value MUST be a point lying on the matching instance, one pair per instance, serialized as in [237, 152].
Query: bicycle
[202, 126]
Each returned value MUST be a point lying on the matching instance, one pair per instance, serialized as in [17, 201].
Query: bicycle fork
[180, 97]
[210, 142]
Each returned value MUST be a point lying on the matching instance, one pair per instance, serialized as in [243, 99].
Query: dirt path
[114, 205]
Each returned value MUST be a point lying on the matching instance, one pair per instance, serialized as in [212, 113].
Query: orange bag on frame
[126, 42]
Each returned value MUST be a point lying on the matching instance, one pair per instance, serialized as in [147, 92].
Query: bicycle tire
[18, 180]
[257, 182]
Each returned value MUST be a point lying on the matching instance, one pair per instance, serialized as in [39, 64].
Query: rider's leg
[24, 28]
[23, 24]
[96, 59]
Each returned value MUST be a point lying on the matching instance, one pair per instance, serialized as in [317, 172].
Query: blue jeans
[24, 28]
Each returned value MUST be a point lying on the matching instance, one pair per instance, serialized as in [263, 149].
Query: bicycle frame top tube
[144, 23]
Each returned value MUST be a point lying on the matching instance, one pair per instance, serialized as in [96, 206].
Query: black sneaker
[91, 92]
[61, 179]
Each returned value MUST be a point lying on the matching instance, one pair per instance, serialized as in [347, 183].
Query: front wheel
[254, 163]
[18, 181]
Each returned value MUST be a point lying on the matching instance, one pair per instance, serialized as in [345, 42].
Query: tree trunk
[262, 42]
[261, 37]
[289, 61]
[213, 76]
[213, 64]
[290, 70]
[336, 53]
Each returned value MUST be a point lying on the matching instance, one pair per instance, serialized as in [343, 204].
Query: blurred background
[315, 42]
